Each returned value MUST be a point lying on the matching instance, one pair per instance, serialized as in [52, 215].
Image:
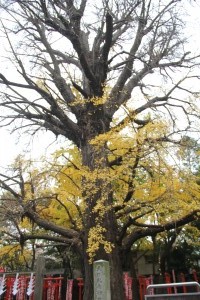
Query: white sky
[11, 146]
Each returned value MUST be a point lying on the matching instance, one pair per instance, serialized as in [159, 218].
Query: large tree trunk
[94, 157]
[116, 280]
[88, 279]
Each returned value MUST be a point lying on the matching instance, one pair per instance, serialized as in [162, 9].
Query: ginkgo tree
[90, 72]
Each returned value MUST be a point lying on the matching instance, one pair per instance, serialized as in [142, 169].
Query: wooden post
[40, 268]
[101, 272]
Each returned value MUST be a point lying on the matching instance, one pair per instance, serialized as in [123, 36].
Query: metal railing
[192, 295]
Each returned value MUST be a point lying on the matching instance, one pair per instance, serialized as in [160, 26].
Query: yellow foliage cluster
[13, 255]
[141, 165]
[93, 100]
[157, 185]
[96, 238]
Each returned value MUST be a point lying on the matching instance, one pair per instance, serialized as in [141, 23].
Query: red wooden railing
[21, 287]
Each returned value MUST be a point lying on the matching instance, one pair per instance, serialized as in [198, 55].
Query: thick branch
[137, 234]
[107, 45]
[47, 225]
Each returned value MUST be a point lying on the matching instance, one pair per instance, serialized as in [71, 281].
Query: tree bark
[88, 278]
[95, 158]
[116, 274]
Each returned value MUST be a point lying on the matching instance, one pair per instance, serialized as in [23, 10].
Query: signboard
[101, 280]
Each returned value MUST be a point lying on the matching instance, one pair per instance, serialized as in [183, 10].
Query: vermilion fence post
[80, 288]
[168, 280]
[182, 278]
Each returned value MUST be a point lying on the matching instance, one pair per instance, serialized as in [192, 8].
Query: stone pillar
[101, 271]
[40, 268]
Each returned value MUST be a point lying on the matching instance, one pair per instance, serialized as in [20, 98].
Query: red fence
[17, 287]
[21, 287]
